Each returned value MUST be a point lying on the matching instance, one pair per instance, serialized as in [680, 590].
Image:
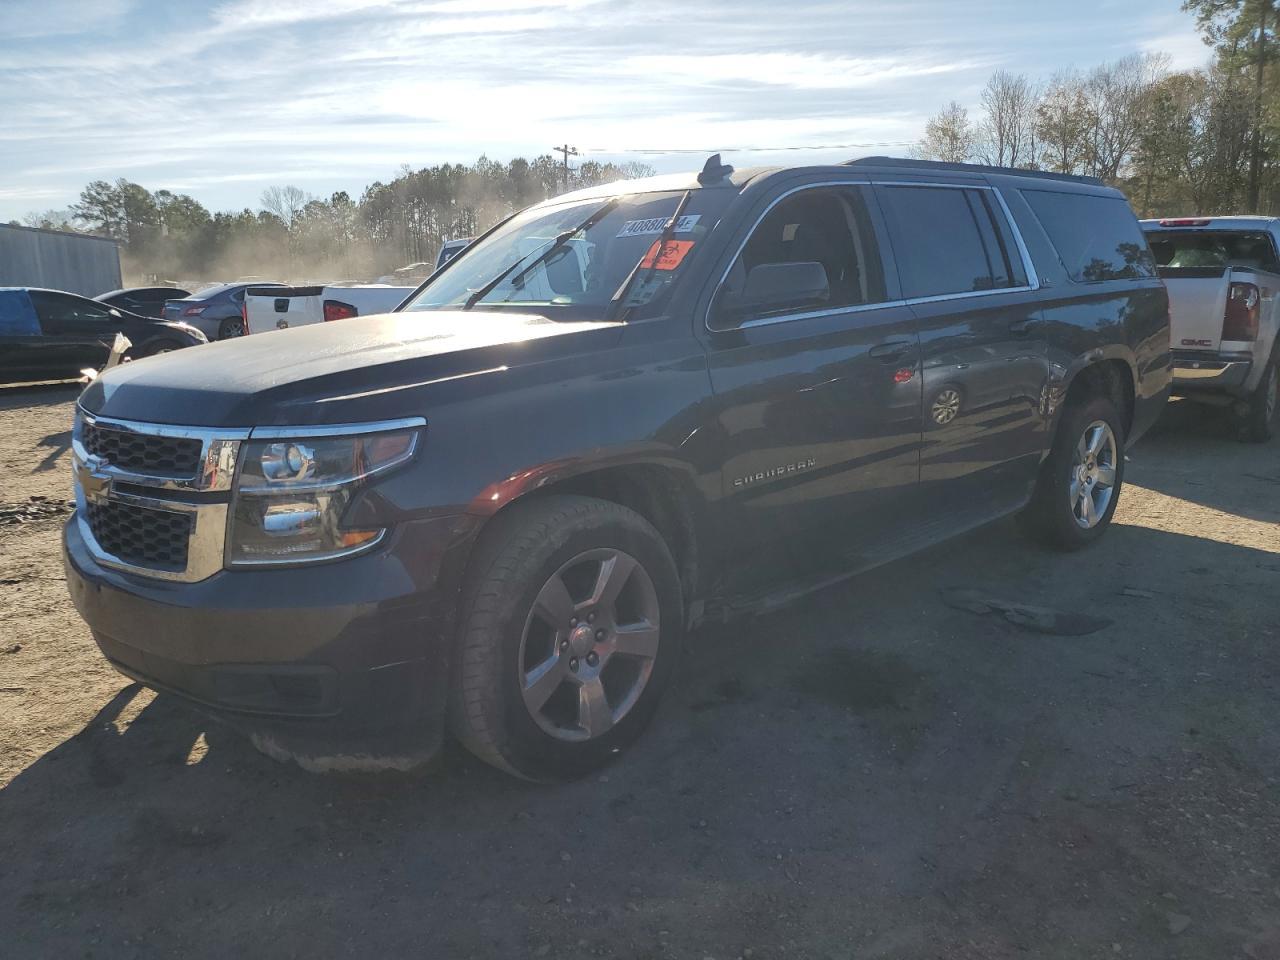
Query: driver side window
[824, 226]
[59, 312]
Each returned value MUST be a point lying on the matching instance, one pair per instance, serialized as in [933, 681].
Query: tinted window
[1097, 238]
[825, 225]
[949, 240]
[1217, 248]
[59, 310]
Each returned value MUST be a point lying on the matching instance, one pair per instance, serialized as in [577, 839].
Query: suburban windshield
[571, 261]
[1214, 249]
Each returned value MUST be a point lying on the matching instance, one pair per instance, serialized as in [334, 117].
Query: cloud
[28, 19]
[802, 71]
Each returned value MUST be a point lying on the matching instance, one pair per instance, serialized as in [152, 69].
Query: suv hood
[359, 369]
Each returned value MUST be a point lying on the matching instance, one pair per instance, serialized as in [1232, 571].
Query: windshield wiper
[668, 232]
[546, 254]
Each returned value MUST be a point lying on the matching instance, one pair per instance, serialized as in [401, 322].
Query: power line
[707, 150]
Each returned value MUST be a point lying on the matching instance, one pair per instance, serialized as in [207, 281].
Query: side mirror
[776, 287]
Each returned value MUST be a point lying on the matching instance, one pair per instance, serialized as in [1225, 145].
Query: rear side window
[1097, 238]
[949, 240]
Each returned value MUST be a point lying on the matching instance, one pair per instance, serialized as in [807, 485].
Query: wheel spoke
[542, 681]
[613, 576]
[1090, 513]
[636, 640]
[594, 713]
[554, 603]
[1106, 475]
[1097, 440]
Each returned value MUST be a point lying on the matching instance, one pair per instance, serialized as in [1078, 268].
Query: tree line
[1178, 143]
[167, 236]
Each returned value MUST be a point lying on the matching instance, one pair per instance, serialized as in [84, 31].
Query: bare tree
[1063, 123]
[948, 136]
[1007, 133]
[287, 203]
[1116, 96]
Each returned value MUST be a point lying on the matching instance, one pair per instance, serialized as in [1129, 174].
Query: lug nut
[599, 634]
[573, 664]
[564, 644]
[591, 618]
[592, 659]
[573, 621]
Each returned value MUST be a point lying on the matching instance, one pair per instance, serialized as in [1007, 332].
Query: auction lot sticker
[655, 225]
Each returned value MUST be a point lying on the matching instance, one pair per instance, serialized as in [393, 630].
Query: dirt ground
[874, 773]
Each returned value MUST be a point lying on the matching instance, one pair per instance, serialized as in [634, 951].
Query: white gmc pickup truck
[279, 308]
[1223, 276]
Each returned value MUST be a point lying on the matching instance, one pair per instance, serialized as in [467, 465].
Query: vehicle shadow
[1190, 450]
[59, 444]
[38, 394]
[869, 763]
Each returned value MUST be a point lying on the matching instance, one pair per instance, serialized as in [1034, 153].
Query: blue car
[52, 335]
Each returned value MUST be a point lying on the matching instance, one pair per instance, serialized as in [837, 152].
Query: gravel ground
[877, 772]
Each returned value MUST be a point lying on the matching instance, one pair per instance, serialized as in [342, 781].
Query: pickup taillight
[1240, 321]
[337, 310]
[244, 316]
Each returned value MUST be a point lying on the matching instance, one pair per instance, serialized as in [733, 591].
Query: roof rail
[968, 168]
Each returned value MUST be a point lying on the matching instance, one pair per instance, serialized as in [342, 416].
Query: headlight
[292, 492]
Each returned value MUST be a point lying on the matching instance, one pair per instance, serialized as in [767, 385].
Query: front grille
[147, 454]
[140, 535]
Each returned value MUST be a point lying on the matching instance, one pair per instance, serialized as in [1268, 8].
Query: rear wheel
[1258, 423]
[1079, 485]
[571, 624]
[231, 328]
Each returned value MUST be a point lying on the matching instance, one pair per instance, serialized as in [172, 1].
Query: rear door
[983, 346]
[817, 408]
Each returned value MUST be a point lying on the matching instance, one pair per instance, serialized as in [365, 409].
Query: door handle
[891, 350]
[1020, 326]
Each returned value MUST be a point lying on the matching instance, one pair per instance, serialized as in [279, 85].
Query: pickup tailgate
[1197, 302]
[277, 308]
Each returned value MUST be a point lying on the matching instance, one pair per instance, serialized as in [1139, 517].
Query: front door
[983, 348]
[817, 404]
[78, 332]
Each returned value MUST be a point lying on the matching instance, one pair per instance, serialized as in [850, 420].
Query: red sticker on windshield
[673, 251]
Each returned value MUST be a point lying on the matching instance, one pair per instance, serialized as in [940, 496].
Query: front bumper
[336, 665]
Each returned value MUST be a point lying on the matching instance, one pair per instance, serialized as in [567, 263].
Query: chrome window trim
[1028, 265]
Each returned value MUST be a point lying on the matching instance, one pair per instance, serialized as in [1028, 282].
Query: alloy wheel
[1093, 474]
[946, 405]
[589, 644]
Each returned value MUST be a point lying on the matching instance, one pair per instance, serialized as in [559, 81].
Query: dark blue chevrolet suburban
[618, 413]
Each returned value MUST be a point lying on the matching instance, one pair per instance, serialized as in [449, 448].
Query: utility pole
[568, 152]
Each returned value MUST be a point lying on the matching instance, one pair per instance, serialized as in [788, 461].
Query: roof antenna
[714, 171]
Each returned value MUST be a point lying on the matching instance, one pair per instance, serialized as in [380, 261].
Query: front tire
[571, 624]
[1080, 481]
[1259, 421]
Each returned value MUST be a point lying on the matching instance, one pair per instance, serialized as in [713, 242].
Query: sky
[223, 98]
